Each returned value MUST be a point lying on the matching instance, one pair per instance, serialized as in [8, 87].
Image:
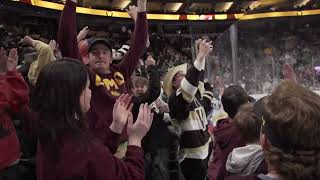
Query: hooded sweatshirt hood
[245, 160]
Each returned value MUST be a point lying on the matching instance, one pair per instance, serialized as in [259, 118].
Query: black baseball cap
[93, 41]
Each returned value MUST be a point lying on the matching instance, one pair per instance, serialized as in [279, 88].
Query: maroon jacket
[90, 160]
[96, 162]
[226, 137]
[106, 88]
[13, 96]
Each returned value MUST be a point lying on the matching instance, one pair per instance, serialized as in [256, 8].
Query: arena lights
[172, 7]
[301, 3]
[281, 14]
[223, 6]
[120, 14]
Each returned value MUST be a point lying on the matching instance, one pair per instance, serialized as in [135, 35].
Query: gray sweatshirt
[245, 160]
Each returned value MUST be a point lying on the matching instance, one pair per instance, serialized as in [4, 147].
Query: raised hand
[53, 45]
[3, 60]
[121, 110]
[288, 73]
[142, 5]
[150, 61]
[205, 47]
[12, 61]
[197, 42]
[148, 42]
[28, 41]
[83, 33]
[142, 125]
[133, 12]
[196, 45]
[57, 53]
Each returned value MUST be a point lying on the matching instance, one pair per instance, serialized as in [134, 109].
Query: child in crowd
[249, 159]
[226, 135]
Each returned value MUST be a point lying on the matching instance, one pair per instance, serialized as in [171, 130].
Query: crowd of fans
[261, 67]
[258, 69]
[167, 50]
[74, 108]
[262, 58]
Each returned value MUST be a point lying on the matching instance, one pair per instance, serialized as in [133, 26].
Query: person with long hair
[67, 150]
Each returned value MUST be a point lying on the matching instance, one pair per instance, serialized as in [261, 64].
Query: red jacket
[13, 96]
[106, 88]
[226, 137]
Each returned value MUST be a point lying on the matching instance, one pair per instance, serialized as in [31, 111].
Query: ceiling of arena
[204, 6]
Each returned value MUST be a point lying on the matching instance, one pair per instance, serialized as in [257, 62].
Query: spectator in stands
[226, 135]
[44, 56]
[247, 160]
[189, 104]
[108, 81]
[144, 90]
[66, 148]
[13, 97]
[290, 134]
[157, 141]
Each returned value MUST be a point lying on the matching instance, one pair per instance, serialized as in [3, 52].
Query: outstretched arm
[14, 92]
[180, 100]
[67, 33]
[45, 56]
[138, 41]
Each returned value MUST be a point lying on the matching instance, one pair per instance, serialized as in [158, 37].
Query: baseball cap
[86, 45]
[94, 41]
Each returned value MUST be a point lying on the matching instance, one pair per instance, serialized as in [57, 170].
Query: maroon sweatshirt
[93, 159]
[227, 137]
[13, 96]
[106, 88]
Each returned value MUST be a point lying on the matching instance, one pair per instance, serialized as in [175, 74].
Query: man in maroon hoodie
[108, 81]
[13, 96]
[226, 135]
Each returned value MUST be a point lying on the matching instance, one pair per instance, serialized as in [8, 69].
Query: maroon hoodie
[106, 88]
[13, 96]
[226, 138]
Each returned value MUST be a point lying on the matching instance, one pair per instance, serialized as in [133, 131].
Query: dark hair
[140, 80]
[251, 99]
[248, 123]
[57, 100]
[232, 98]
[292, 117]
